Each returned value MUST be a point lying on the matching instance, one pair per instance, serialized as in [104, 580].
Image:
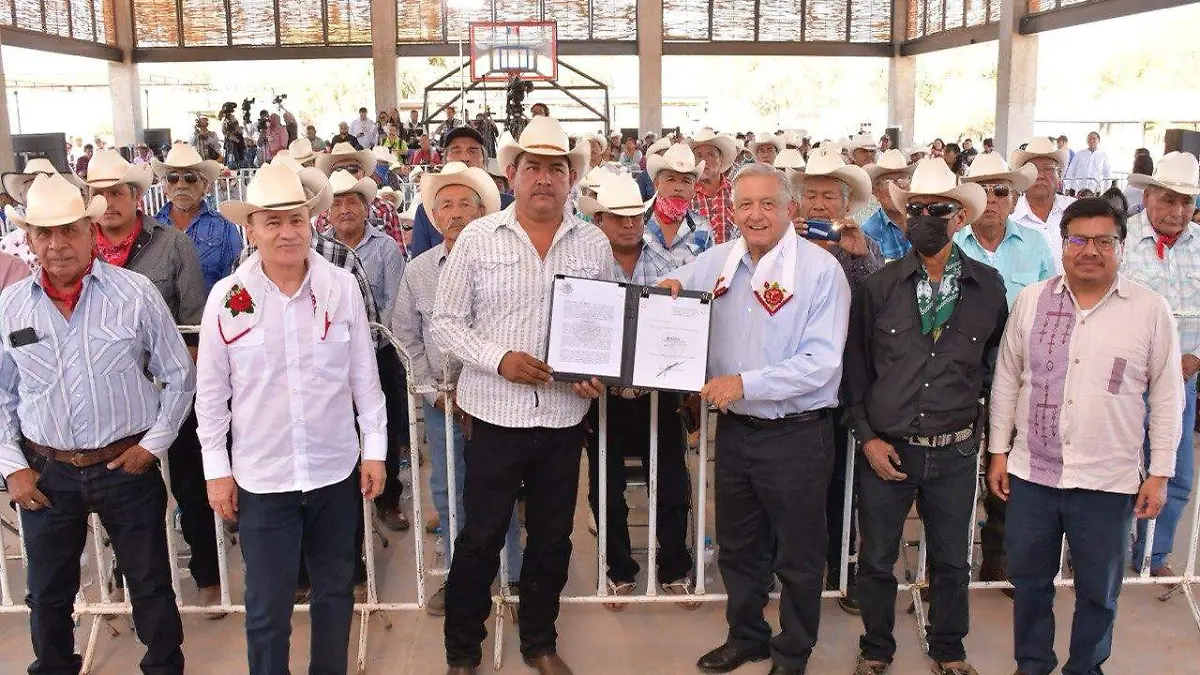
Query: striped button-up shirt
[82, 384]
[653, 264]
[717, 209]
[694, 236]
[384, 215]
[1176, 276]
[412, 321]
[218, 241]
[384, 265]
[494, 297]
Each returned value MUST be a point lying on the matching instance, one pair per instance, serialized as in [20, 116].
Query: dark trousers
[1096, 525]
[629, 436]
[991, 536]
[498, 460]
[942, 482]
[133, 510]
[191, 494]
[393, 381]
[770, 491]
[835, 507]
[273, 527]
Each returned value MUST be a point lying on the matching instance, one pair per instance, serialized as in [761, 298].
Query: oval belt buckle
[77, 460]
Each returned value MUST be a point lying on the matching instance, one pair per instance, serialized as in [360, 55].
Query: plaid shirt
[1176, 276]
[694, 236]
[386, 217]
[653, 264]
[717, 209]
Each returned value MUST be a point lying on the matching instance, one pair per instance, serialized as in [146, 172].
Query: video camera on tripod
[516, 89]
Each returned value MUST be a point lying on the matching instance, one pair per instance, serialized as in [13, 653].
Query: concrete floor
[1151, 637]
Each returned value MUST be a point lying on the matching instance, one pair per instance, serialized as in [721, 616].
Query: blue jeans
[1096, 525]
[273, 526]
[133, 510]
[435, 437]
[1179, 489]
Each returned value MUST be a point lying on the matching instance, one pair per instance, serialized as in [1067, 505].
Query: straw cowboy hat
[619, 194]
[342, 182]
[315, 183]
[789, 159]
[597, 175]
[766, 138]
[276, 187]
[457, 173]
[933, 178]
[727, 146]
[824, 162]
[1039, 146]
[493, 169]
[545, 136]
[109, 168]
[892, 161]
[183, 157]
[992, 167]
[302, 150]
[679, 158]
[1176, 171]
[658, 147]
[17, 183]
[383, 155]
[342, 152]
[54, 201]
[861, 142]
[410, 214]
[384, 192]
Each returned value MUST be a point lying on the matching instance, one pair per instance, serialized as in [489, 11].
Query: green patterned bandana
[936, 311]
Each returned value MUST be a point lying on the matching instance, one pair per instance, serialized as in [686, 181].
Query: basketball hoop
[526, 48]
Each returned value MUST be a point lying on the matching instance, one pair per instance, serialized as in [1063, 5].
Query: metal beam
[28, 39]
[565, 48]
[1092, 11]
[950, 39]
[246, 53]
[730, 48]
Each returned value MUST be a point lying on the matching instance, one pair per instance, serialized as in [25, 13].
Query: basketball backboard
[528, 48]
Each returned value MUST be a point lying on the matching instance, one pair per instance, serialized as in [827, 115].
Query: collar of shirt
[686, 227]
[911, 262]
[164, 214]
[372, 231]
[725, 188]
[1011, 230]
[1118, 287]
[98, 276]
[1025, 212]
[508, 220]
[1141, 229]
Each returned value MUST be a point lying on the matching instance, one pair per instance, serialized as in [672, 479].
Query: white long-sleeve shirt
[1067, 399]
[295, 380]
[366, 131]
[1089, 170]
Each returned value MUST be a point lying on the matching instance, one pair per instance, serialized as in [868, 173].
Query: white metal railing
[233, 187]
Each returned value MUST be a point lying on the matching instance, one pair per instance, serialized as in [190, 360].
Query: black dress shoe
[461, 670]
[780, 669]
[728, 658]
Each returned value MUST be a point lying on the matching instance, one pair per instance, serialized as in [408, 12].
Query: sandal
[623, 588]
[680, 587]
[864, 667]
[946, 669]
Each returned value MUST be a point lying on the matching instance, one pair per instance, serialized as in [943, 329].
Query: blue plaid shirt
[695, 236]
[890, 238]
[218, 241]
[653, 264]
[1176, 276]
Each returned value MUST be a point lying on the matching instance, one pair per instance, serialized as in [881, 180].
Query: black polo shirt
[899, 382]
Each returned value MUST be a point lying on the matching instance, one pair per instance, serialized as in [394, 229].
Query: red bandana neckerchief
[117, 254]
[1163, 242]
[670, 209]
[69, 297]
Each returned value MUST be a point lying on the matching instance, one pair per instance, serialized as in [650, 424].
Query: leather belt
[941, 440]
[794, 418]
[81, 459]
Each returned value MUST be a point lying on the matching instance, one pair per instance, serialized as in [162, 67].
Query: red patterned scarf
[117, 254]
[70, 296]
[1163, 242]
[670, 209]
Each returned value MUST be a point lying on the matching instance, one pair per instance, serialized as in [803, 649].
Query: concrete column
[7, 162]
[383, 53]
[123, 82]
[650, 56]
[1016, 79]
[902, 78]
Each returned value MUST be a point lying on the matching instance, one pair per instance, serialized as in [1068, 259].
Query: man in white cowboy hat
[491, 312]
[617, 209]
[1163, 253]
[302, 150]
[1087, 367]
[765, 147]
[672, 220]
[186, 179]
[1041, 207]
[131, 239]
[15, 185]
[714, 192]
[360, 164]
[775, 363]
[645, 185]
[923, 334]
[863, 150]
[886, 224]
[285, 348]
[456, 196]
[84, 427]
[463, 144]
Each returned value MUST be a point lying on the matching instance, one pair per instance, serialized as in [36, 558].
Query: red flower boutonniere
[238, 301]
[772, 297]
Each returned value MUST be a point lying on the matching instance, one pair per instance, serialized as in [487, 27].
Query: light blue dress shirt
[790, 362]
[384, 265]
[1023, 258]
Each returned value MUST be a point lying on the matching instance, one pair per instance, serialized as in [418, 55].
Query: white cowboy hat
[1176, 171]
[992, 167]
[277, 187]
[342, 152]
[659, 146]
[597, 175]
[934, 178]
[457, 173]
[341, 182]
[892, 161]
[861, 142]
[618, 194]
[1039, 146]
[383, 155]
[727, 146]
[384, 191]
[182, 157]
[545, 136]
[315, 183]
[825, 162]
[679, 158]
[789, 159]
[109, 168]
[302, 150]
[54, 201]
[410, 214]
[493, 169]
[17, 183]
[766, 138]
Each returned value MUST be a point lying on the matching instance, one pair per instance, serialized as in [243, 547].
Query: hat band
[628, 206]
[544, 146]
[280, 205]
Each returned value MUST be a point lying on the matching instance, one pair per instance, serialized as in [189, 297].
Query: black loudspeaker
[31, 146]
[1182, 140]
[894, 134]
[159, 141]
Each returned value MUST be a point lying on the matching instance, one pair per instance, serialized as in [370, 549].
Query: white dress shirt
[1089, 170]
[1049, 228]
[295, 381]
[494, 297]
[366, 131]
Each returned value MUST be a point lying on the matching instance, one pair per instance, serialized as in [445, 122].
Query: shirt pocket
[1024, 279]
[1117, 370]
[499, 275]
[114, 350]
[580, 266]
[895, 338]
[37, 365]
[248, 356]
[331, 355]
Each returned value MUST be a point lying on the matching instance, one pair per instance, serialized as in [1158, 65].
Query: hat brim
[1022, 179]
[95, 208]
[365, 158]
[507, 155]
[17, 184]
[1143, 181]
[725, 145]
[655, 164]
[970, 195]
[590, 206]
[1020, 158]
[853, 176]
[138, 175]
[481, 182]
[365, 187]
[209, 168]
[776, 141]
[315, 183]
[874, 171]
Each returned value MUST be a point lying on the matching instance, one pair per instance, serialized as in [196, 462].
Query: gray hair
[842, 185]
[762, 170]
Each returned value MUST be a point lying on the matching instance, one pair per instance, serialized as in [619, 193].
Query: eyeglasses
[353, 169]
[1047, 170]
[1000, 191]
[188, 177]
[936, 209]
[1105, 243]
